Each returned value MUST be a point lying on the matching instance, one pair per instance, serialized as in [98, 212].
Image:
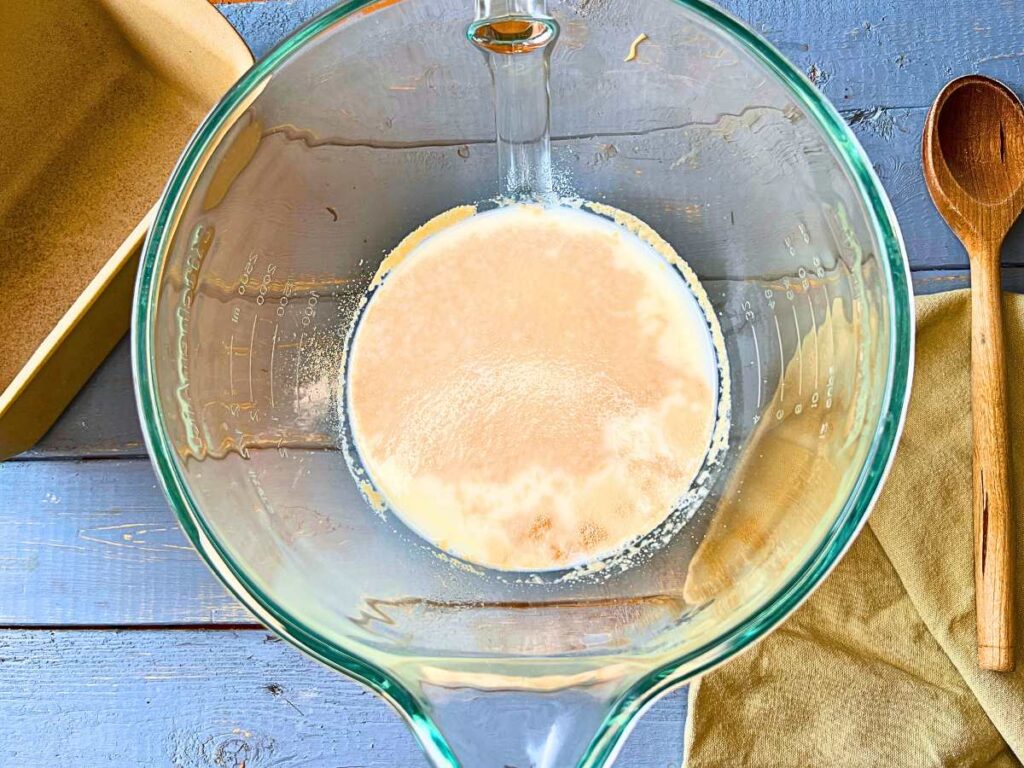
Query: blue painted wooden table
[118, 648]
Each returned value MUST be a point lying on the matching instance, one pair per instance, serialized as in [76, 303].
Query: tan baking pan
[97, 100]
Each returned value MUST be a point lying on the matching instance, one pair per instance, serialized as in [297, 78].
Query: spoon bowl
[989, 164]
[974, 158]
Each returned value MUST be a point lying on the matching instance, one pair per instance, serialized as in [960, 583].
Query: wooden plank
[878, 53]
[231, 699]
[863, 55]
[89, 543]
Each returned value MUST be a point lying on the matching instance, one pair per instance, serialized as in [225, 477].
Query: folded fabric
[879, 667]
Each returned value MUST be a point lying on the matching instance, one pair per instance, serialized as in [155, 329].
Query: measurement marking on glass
[817, 355]
[230, 363]
[799, 353]
[782, 358]
[831, 383]
[252, 342]
[757, 357]
[273, 349]
[298, 366]
[831, 326]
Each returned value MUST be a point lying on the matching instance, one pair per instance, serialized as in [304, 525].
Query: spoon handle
[993, 563]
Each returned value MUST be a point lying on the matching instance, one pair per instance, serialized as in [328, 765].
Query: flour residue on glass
[533, 388]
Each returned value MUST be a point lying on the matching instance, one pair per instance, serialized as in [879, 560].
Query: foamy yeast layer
[531, 388]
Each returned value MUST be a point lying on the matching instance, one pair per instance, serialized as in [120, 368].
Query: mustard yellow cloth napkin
[878, 668]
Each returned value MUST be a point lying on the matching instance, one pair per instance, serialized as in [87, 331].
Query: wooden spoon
[974, 165]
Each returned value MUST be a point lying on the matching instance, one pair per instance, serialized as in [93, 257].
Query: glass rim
[768, 615]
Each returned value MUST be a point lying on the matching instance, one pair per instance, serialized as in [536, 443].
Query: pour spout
[489, 728]
[497, 9]
[517, 36]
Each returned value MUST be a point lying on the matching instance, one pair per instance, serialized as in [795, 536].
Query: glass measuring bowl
[374, 118]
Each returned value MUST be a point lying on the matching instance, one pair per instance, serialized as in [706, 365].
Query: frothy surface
[532, 388]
